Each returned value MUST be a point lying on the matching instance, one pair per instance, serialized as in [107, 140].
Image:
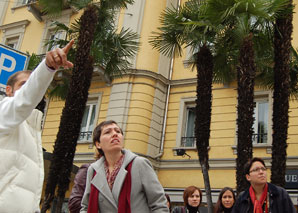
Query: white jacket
[21, 156]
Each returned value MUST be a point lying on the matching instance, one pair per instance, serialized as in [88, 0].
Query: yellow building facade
[153, 103]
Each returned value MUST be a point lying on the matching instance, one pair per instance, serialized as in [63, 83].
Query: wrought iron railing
[85, 136]
[188, 141]
[259, 138]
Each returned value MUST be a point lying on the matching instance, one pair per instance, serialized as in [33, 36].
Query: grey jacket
[147, 194]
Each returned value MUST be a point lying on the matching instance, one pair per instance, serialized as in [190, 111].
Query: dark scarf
[192, 209]
[258, 203]
[227, 210]
[124, 197]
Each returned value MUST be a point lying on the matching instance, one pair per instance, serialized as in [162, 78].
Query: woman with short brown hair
[120, 181]
[192, 198]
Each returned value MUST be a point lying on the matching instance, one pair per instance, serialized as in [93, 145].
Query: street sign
[11, 61]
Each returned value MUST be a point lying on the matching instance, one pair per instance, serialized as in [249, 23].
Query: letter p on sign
[11, 61]
[8, 67]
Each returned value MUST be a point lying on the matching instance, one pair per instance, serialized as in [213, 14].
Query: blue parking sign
[11, 61]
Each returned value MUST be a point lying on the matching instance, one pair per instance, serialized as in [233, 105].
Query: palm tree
[282, 49]
[246, 23]
[69, 128]
[97, 19]
[186, 25]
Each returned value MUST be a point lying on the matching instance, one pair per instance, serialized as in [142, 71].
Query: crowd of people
[119, 180]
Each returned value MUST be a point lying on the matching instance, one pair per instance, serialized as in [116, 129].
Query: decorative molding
[22, 24]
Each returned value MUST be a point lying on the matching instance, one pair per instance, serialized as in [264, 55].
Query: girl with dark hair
[226, 200]
[192, 197]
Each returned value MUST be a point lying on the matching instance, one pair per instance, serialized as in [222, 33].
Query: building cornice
[22, 23]
[186, 164]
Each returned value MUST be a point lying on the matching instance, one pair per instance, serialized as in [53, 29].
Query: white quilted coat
[21, 157]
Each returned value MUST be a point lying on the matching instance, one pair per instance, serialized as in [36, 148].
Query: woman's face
[111, 139]
[227, 199]
[194, 200]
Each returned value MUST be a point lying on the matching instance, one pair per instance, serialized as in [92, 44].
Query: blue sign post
[11, 61]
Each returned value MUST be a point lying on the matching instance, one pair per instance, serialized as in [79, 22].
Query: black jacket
[279, 201]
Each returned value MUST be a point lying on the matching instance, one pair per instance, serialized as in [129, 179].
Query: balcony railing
[259, 138]
[85, 136]
[188, 141]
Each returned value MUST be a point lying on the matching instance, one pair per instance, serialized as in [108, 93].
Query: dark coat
[75, 198]
[181, 209]
[279, 201]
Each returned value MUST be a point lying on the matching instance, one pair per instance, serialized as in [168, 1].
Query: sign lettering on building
[291, 178]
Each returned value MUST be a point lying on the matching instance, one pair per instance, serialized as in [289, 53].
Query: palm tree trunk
[282, 47]
[203, 114]
[72, 114]
[245, 77]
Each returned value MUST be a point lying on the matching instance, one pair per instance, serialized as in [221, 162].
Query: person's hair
[219, 206]
[97, 133]
[169, 200]
[14, 77]
[249, 164]
[188, 192]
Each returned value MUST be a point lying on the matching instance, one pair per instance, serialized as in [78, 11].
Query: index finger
[68, 46]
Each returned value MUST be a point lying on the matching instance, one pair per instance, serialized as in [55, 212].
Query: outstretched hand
[58, 57]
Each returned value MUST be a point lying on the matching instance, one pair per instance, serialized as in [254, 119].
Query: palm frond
[53, 7]
[79, 4]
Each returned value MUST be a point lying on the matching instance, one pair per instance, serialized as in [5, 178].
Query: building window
[50, 32]
[12, 42]
[189, 134]
[89, 118]
[54, 36]
[185, 136]
[261, 115]
[87, 125]
[13, 33]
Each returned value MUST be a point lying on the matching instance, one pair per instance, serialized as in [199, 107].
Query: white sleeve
[14, 110]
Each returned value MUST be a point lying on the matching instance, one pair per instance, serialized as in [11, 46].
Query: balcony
[85, 136]
[260, 138]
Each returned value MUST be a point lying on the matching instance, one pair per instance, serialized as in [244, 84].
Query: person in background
[21, 155]
[78, 189]
[120, 181]
[262, 196]
[226, 200]
[77, 192]
[192, 197]
[169, 202]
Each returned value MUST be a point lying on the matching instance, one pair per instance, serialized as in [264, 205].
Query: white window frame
[264, 96]
[259, 95]
[95, 100]
[14, 30]
[12, 42]
[185, 103]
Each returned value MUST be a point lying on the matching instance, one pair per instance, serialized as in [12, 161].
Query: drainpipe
[161, 150]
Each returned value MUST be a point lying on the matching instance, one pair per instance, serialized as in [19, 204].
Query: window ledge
[257, 146]
[89, 143]
[183, 148]
[186, 148]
